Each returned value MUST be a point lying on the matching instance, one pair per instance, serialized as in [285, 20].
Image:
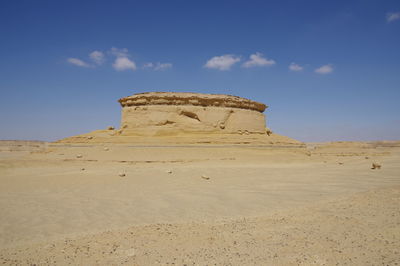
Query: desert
[200, 133]
[184, 190]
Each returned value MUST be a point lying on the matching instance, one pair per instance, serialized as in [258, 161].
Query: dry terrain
[201, 204]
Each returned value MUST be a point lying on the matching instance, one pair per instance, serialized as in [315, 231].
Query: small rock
[111, 128]
[205, 177]
[246, 132]
[366, 157]
[376, 166]
[79, 156]
[106, 148]
[83, 169]
[169, 171]
[90, 137]
[130, 252]
[340, 163]
[122, 174]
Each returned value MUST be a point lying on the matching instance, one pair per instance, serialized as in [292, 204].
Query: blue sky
[328, 70]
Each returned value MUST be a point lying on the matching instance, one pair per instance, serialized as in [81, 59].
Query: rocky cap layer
[195, 99]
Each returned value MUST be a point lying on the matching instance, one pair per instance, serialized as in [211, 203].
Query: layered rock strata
[169, 118]
[160, 113]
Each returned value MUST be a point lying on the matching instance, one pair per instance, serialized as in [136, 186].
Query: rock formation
[187, 118]
[160, 113]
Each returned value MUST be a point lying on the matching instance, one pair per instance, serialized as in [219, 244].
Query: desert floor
[200, 205]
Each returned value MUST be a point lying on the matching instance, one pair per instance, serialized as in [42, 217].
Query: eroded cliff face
[168, 119]
[191, 99]
[168, 113]
[188, 118]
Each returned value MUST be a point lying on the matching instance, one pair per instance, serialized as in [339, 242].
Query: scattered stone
[90, 137]
[169, 171]
[83, 169]
[122, 174]
[205, 177]
[130, 252]
[106, 149]
[111, 128]
[268, 131]
[340, 163]
[79, 156]
[366, 157]
[376, 166]
[246, 132]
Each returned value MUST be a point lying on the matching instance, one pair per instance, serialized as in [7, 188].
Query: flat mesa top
[194, 99]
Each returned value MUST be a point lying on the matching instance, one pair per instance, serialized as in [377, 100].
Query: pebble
[376, 166]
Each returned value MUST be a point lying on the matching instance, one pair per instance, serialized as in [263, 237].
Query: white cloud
[97, 57]
[295, 67]
[77, 62]
[157, 66]
[257, 59]
[148, 65]
[162, 66]
[390, 17]
[325, 69]
[119, 52]
[223, 62]
[124, 63]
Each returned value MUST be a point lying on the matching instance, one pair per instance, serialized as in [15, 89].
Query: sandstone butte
[188, 118]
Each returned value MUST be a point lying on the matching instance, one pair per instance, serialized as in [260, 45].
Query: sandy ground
[200, 205]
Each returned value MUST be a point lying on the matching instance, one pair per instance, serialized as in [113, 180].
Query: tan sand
[259, 204]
